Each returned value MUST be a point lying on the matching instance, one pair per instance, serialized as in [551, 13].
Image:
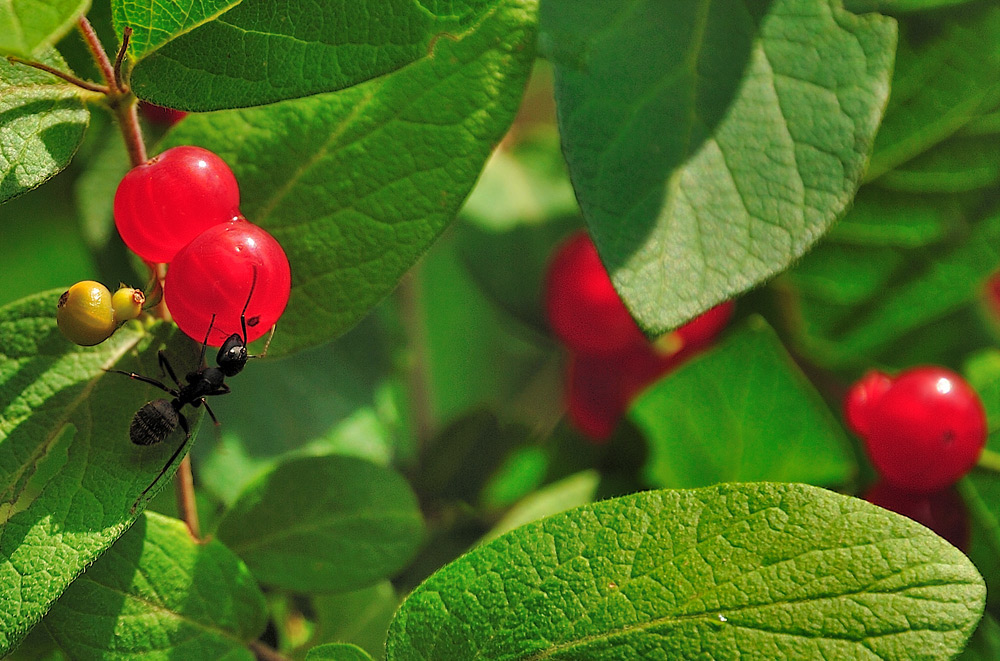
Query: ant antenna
[204, 344]
[243, 315]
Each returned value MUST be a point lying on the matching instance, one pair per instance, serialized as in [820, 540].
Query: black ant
[159, 418]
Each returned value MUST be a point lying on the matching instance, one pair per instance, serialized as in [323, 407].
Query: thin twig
[186, 503]
[68, 77]
[265, 652]
[97, 50]
[417, 377]
[126, 35]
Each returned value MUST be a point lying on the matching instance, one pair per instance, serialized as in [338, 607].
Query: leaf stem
[68, 77]
[990, 460]
[97, 50]
[117, 69]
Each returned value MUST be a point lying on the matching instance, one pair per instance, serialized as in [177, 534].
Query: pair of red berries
[923, 430]
[182, 208]
[611, 360]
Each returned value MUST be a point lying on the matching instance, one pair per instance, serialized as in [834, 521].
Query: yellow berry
[127, 304]
[85, 314]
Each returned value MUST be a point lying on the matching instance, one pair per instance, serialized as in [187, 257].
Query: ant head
[232, 356]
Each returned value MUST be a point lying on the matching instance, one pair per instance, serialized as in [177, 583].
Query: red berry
[861, 397]
[926, 431]
[163, 204]
[583, 307]
[601, 387]
[214, 274]
[703, 329]
[160, 115]
[942, 511]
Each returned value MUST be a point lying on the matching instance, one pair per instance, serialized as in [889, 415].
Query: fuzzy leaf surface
[27, 25]
[720, 418]
[736, 136]
[68, 473]
[325, 524]
[356, 185]
[42, 122]
[682, 574]
[240, 54]
[159, 594]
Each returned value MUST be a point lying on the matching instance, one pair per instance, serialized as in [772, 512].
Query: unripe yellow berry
[127, 304]
[85, 314]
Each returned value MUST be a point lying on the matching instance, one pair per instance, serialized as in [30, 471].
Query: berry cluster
[923, 430]
[87, 313]
[182, 208]
[611, 361]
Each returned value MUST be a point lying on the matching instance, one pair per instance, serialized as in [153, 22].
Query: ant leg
[165, 367]
[146, 379]
[163, 471]
[243, 315]
[204, 344]
[211, 413]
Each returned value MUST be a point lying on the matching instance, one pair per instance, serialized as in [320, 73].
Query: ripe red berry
[942, 511]
[926, 431]
[163, 204]
[160, 115]
[861, 397]
[214, 274]
[582, 306]
[600, 388]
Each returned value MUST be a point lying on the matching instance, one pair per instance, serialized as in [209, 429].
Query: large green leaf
[734, 571]
[159, 594]
[725, 417]
[944, 78]
[712, 143]
[27, 25]
[337, 652]
[232, 54]
[324, 524]
[356, 185]
[901, 6]
[42, 122]
[68, 473]
[360, 617]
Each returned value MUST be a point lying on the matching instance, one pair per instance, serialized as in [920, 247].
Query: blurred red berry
[942, 511]
[600, 388]
[704, 328]
[926, 431]
[160, 115]
[582, 306]
[861, 397]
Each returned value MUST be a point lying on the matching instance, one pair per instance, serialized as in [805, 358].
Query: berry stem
[186, 504]
[989, 460]
[417, 377]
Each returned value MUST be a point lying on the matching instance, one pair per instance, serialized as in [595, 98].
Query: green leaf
[338, 652]
[943, 79]
[70, 475]
[42, 122]
[738, 136]
[961, 163]
[356, 185]
[262, 51]
[159, 594]
[360, 617]
[573, 491]
[28, 25]
[762, 570]
[912, 290]
[324, 524]
[721, 417]
[900, 6]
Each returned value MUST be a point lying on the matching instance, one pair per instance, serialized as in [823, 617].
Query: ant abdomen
[153, 422]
